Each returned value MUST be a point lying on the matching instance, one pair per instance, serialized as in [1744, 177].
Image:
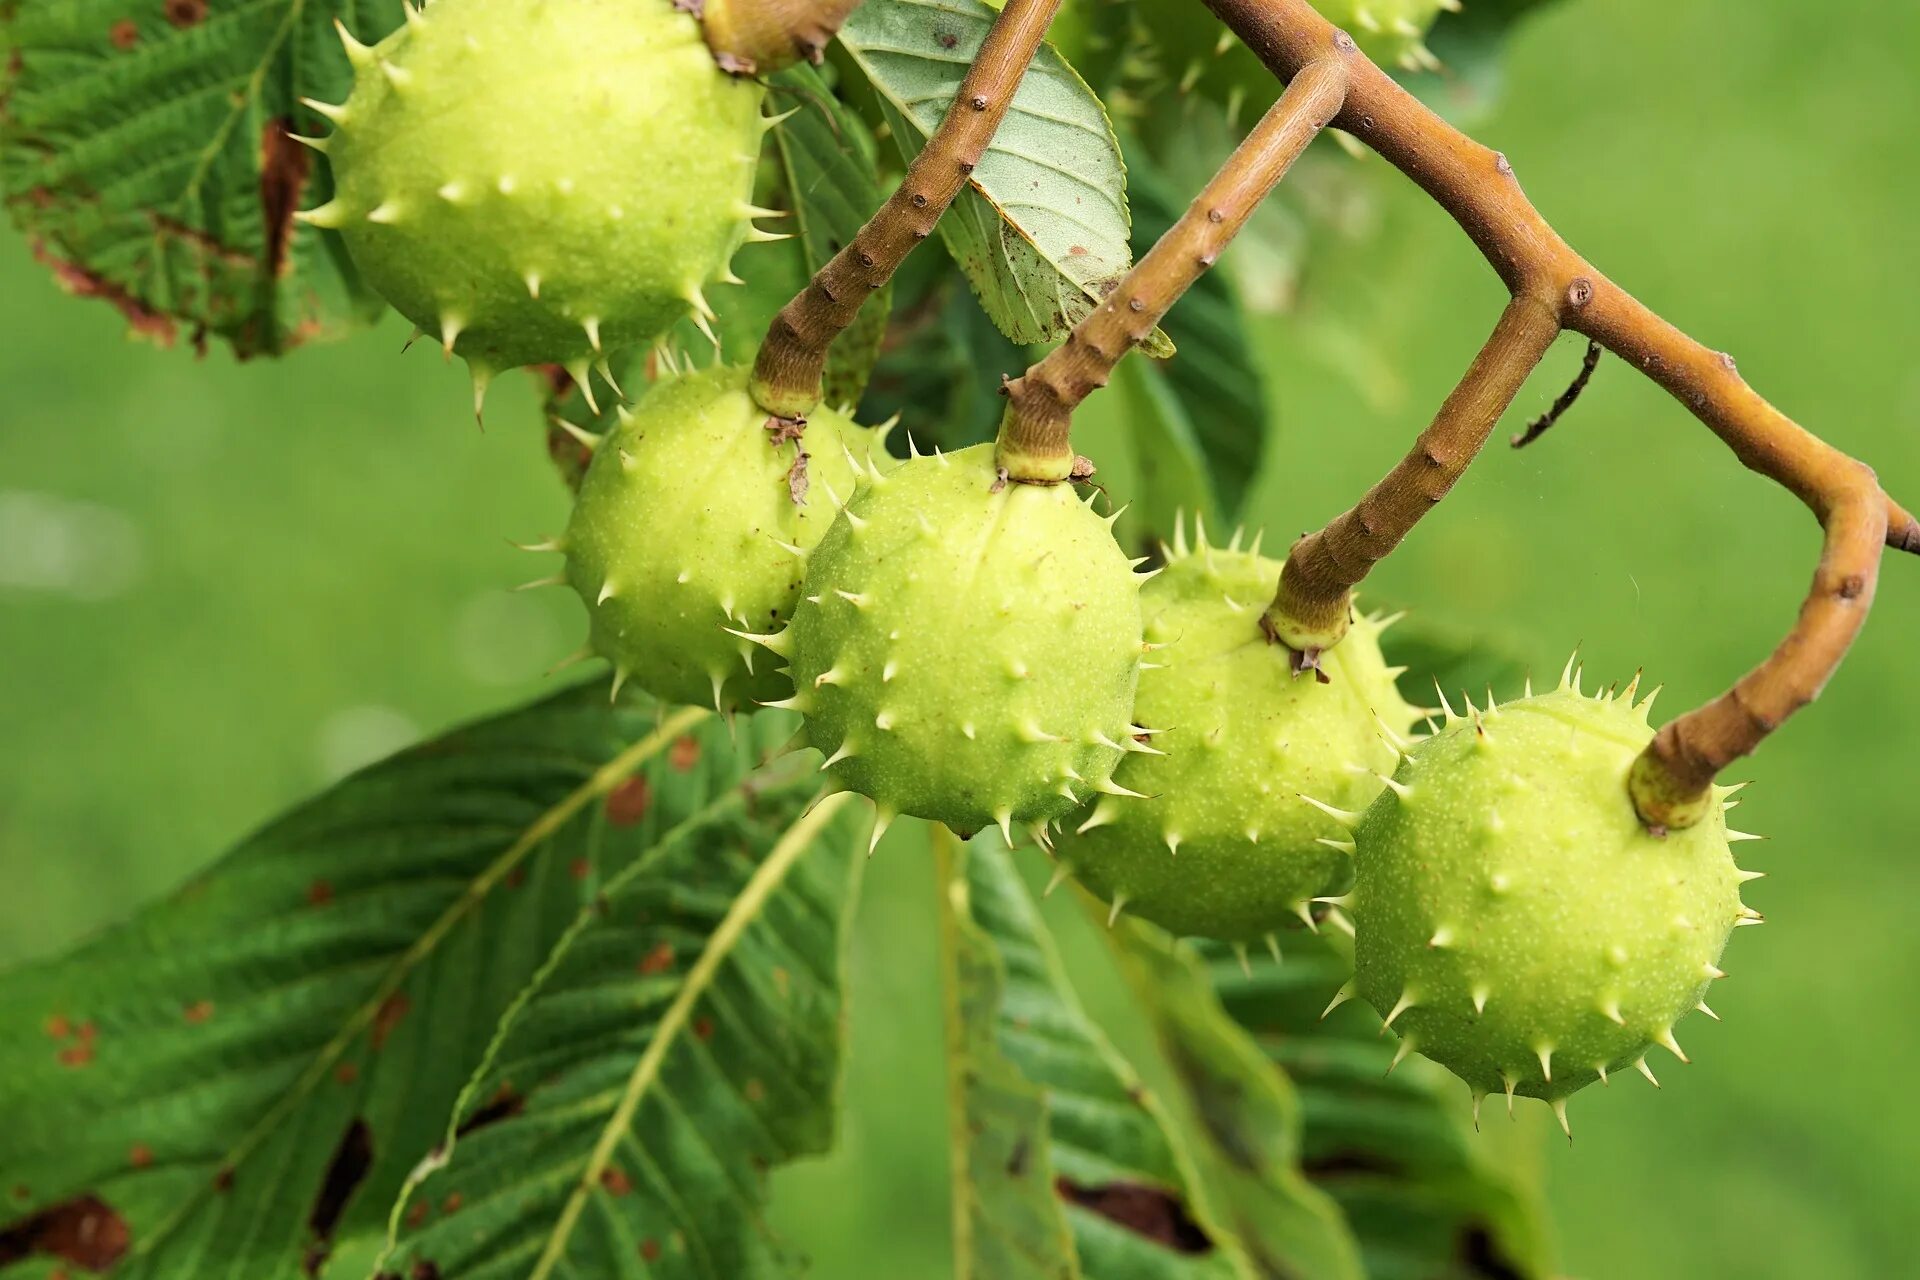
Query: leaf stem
[787, 373]
[1671, 783]
[760, 37]
[1314, 603]
[1033, 445]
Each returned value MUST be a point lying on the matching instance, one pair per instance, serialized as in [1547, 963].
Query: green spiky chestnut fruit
[1513, 919]
[541, 183]
[1224, 846]
[1391, 32]
[694, 521]
[965, 650]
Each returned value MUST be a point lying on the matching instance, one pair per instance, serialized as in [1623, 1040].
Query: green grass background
[279, 570]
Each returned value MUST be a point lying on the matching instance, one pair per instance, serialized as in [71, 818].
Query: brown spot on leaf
[319, 893]
[352, 1160]
[142, 321]
[417, 1214]
[425, 1270]
[685, 753]
[1152, 1212]
[754, 1091]
[658, 960]
[504, 1105]
[703, 1028]
[347, 1072]
[85, 1231]
[517, 876]
[452, 1203]
[21, 1191]
[947, 40]
[197, 1012]
[223, 1180]
[579, 868]
[284, 166]
[141, 1156]
[125, 34]
[58, 1027]
[186, 13]
[650, 1250]
[76, 1055]
[391, 1011]
[615, 1181]
[629, 802]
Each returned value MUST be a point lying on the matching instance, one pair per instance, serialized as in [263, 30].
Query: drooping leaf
[683, 1038]
[1140, 435]
[1036, 1090]
[249, 1069]
[146, 152]
[1212, 372]
[941, 359]
[1247, 1113]
[1427, 1197]
[1041, 229]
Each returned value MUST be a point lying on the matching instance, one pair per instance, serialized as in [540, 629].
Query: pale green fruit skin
[683, 512]
[1393, 30]
[1518, 849]
[1224, 846]
[592, 144]
[981, 621]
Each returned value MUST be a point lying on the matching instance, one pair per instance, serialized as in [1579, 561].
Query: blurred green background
[223, 585]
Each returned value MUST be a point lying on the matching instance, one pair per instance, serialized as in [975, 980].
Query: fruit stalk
[759, 37]
[1033, 446]
[787, 373]
[1477, 187]
[1314, 602]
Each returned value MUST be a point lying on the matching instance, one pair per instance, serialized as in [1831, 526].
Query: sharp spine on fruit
[1480, 994]
[1400, 1054]
[1060, 873]
[882, 819]
[1340, 997]
[1641, 1066]
[1119, 905]
[1610, 1009]
[844, 752]
[1407, 1001]
[1344, 846]
[1103, 813]
[1345, 817]
[1545, 1053]
[1559, 1106]
[330, 216]
[1664, 1038]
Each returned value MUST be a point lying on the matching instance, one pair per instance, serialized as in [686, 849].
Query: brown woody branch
[1312, 606]
[759, 37]
[787, 373]
[1033, 446]
[1671, 782]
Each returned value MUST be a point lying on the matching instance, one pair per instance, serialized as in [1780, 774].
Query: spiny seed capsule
[1391, 32]
[1514, 920]
[693, 525]
[965, 649]
[1224, 846]
[542, 183]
